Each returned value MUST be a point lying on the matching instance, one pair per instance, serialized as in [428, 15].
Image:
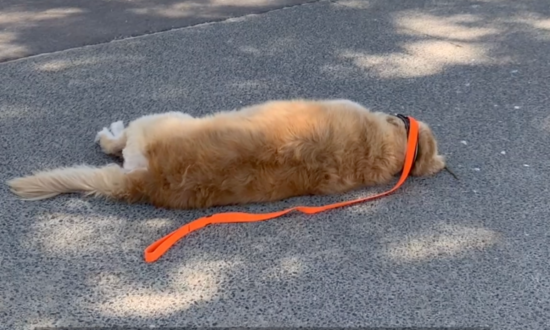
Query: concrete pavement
[439, 252]
[29, 27]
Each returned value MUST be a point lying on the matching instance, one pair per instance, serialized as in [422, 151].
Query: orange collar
[158, 248]
[407, 121]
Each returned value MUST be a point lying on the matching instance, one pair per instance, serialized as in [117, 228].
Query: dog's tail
[108, 181]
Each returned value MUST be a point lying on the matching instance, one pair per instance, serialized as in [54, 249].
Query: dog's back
[270, 152]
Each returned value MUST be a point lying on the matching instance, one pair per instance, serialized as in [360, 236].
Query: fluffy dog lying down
[265, 152]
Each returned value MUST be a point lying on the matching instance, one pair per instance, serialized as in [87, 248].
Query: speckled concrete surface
[439, 252]
[30, 27]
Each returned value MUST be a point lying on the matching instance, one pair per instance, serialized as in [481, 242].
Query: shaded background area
[30, 27]
[439, 252]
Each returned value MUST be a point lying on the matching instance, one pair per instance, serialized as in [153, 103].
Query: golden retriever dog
[264, 152]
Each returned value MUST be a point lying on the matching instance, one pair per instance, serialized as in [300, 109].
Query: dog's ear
[394, 120]
[428, 161]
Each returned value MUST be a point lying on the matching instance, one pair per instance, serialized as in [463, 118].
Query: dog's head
[428, 160]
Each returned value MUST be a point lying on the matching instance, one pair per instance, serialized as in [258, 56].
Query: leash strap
[158, 248]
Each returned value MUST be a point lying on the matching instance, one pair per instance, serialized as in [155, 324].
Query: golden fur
[265, 152]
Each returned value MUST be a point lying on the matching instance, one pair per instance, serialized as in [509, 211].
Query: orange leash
[158, 248]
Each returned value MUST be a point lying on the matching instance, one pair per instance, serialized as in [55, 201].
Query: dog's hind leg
[112, 140]
[139, 132]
